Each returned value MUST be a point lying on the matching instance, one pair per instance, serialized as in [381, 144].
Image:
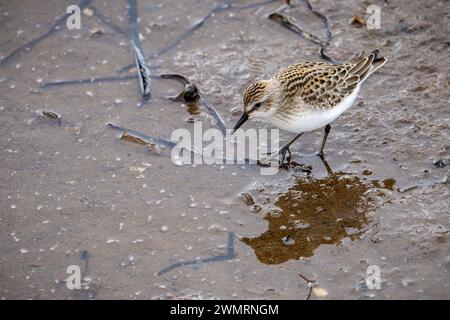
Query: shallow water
[74, 193]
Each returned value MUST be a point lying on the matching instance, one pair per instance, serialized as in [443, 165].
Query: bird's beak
[241, 121]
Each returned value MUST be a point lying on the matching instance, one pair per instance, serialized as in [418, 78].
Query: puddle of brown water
[316, 211]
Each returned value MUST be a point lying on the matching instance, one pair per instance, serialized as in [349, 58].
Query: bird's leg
[285, 148]
[327, 166]
[327, 132]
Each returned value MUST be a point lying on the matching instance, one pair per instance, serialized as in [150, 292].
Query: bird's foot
[283, 160]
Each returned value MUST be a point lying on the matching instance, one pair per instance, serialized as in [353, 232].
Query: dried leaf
[358, 21]
[88, 12]
[134, 139]
[51, 115]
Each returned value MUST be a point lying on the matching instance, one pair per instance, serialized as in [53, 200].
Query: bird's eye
[257, 105]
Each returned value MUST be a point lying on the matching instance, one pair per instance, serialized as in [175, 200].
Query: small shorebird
[307, 96]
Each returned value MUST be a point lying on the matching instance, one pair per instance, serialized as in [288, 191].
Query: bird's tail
[367, 65]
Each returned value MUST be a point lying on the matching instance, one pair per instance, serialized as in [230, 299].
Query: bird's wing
[325, 85]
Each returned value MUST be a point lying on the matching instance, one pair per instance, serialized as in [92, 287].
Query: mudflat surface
[142, 227]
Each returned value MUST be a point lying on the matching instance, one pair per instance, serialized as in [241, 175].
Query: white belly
[314, 119]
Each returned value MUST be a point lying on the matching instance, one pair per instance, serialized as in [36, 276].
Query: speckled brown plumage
[307, 96]
[320, 85]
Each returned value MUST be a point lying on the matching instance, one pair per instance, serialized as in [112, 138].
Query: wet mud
[87, 178]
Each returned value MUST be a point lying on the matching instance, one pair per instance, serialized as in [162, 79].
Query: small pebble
[247, 198]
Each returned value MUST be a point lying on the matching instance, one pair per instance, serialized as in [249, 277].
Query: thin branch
[27, 47]
[230, 255]
[106, 22]
[186, 34]
[288, 23]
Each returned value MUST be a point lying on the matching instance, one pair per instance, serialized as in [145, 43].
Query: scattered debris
[88, 12]
[190, 93]
[247, 198]
[96, 32]
[51, 115]
[320, 292]
[256, 208]
[357, 21]
[446, 178]
[441, 163]
[288, 241]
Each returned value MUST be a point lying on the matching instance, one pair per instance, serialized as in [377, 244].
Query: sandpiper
[307, 96]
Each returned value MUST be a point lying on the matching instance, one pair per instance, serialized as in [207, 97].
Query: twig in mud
[51, 115]
[143, 137]
[310, 284]
[285, 21]
[324, 19]
[325, 56]
[105, 21]
[309, 293]
[291, 25]
[213, 112]
[60, 83]
[230, 255]
[446, 178]
[327, 31]
[133, 22]
[27, 47]
[133, 138]
[198, 25]
[143, 72]
[85, 256]
[306, 279]
[191, 94]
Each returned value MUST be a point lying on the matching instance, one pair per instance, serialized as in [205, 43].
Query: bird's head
[260, 101]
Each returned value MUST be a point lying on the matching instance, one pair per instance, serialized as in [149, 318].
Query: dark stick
[60, 83]
[230, 255]
[328, 33]
[167, 143]
[141, 65]
[29, 45]
[133, 22]
[309, 283]
[85, 256]
[285, 21]
[143, 71]
[212, 111]
[145, 137]
[322, 17]
[289, 24]
[198, 25]
[105, 21]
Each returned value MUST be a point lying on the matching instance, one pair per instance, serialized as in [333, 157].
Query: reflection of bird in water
[307, 96]
[314, 212]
